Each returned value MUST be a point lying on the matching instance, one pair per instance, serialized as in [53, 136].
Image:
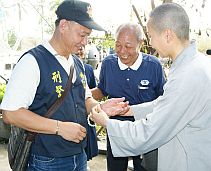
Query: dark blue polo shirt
[90, 76]
[137, 86]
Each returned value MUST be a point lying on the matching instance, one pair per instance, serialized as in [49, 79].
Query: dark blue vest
[53, 79]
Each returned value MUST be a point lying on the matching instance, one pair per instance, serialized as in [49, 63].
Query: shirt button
[128, 79]
[76, 106]
[128, 69]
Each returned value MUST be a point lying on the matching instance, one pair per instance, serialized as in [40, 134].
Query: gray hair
[133, 27]
[171, 16]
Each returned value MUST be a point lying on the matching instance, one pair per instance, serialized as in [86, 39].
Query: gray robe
[178, 123]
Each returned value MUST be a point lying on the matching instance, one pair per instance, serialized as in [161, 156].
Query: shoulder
[110, 59]
[39, 51]
[88, 67]
[27, 61]
[76, 58]
[199, 66]
[77, 61]
[151, 59]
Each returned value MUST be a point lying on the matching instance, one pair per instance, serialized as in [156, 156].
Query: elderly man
[40, 77]
[179, 122]
[134, 75]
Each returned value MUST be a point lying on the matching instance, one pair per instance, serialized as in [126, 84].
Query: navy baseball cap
[78, 11]
[208, 52]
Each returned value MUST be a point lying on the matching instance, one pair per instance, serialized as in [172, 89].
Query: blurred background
[26, 23]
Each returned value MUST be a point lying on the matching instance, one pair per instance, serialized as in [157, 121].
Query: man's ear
[141, 43]
[169, 35]
[62, 25]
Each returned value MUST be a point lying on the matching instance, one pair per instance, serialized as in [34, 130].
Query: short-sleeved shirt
[26, 92]
[141, 82]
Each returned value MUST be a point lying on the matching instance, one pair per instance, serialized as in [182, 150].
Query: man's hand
[99, 116]
[72, 131]
[115, 106]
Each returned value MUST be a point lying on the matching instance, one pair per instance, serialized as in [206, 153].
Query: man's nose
[84, 41]
[123, 49]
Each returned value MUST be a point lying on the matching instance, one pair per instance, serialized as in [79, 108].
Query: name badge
[143, 84]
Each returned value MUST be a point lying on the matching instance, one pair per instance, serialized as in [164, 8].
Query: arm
[15, 103]
[97, 93]
[133, 138]
[30, 121]
[141, 110]
[111, 106]
[171, 113]
[90, 103]
[138, 111]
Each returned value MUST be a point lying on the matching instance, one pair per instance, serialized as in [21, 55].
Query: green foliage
[2, 91]
[47, 20]
[54, 5]
[107, 42]
[51, 20]
[102, 132]
[11, 37]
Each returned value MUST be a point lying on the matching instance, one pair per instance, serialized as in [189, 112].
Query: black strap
[59, 101]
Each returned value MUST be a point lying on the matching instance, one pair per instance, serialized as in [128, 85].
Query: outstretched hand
[115, 106]
[99, 116]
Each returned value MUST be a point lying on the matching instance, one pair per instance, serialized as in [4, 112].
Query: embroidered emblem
[89, 11]
[83, 79]
[144, 82]
[56, 77]
[59, 90]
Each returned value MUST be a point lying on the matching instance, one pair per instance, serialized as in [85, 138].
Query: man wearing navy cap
[208, 52]
[40, 77]
[78, 11]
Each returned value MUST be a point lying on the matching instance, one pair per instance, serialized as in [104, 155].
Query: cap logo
[89, 11]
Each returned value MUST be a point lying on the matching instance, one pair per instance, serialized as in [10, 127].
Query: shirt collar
[135, 66]
[48, 46]
[185, 56]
